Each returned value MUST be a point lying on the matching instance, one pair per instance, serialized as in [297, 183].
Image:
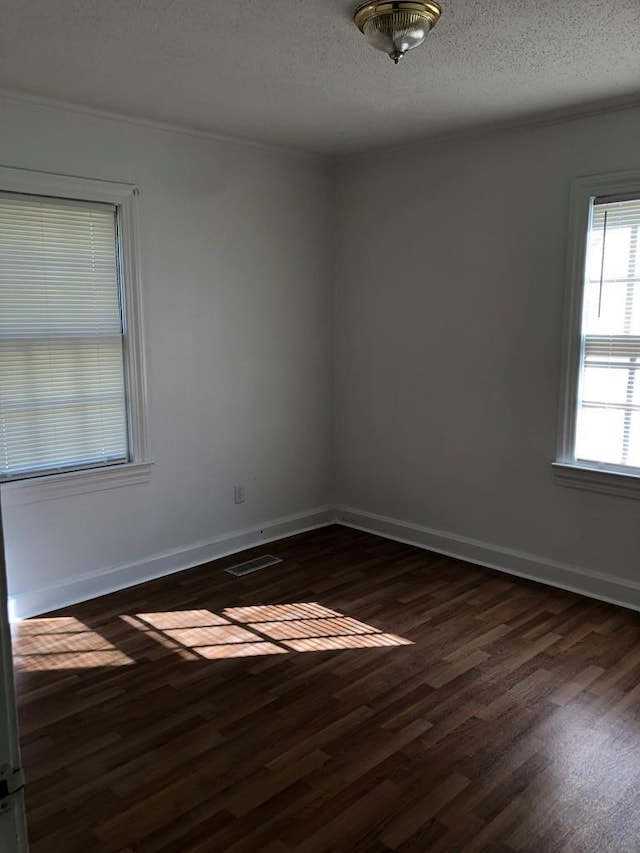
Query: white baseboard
[573, 578]
[564, 576]
[85, 587]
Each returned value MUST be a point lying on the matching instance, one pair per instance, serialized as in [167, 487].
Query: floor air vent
[253, 565]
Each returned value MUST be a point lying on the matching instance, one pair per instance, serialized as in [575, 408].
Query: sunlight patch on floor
[365, 641]
[63, 643]
[194, 635]
[267, 629]
[280, 612]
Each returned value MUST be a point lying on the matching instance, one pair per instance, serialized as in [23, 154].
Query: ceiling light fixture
[397, 26]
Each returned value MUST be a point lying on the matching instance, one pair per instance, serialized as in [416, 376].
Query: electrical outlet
[238, 494]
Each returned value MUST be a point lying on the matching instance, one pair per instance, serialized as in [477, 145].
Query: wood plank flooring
[362, 696]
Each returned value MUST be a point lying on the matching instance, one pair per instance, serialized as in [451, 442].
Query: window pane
[613, 309]
[611, 336]
[600, 434]
[634, 441]
[616, 245]
[605, 385]
[59, 271]
[62, 388]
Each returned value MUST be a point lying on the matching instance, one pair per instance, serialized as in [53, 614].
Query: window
[599, 444]
[72, 401]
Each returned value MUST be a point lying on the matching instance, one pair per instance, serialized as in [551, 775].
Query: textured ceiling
[298, 73]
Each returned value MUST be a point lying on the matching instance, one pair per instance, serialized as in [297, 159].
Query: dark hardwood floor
[361, 696]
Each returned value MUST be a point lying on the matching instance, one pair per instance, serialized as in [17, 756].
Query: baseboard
[93, 585]
[573, 578]
[564, 576]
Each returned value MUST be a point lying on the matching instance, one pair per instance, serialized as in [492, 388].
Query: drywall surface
[237, 309]
[451, 264]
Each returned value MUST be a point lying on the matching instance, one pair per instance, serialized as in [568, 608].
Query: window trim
[609, 479]
[138, 468]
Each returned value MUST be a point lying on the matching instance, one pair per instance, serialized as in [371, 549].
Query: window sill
[51, 486]
[597, 480]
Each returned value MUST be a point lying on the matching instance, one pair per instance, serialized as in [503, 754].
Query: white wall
[238, 301]
[449, 325]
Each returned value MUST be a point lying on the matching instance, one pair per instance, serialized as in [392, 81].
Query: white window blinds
[608, 425]
[62, 383]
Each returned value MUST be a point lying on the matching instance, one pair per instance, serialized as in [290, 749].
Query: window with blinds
[608, 419]
[62, 377]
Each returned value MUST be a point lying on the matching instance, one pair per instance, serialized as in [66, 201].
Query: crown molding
[166, 127]
[358, 153]
[472, 132]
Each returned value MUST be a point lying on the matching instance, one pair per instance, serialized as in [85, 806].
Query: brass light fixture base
[397, 26]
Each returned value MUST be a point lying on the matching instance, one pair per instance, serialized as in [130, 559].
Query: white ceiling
[298, 72]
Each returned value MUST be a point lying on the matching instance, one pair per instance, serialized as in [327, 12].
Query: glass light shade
[397, 26]
[397, 33]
